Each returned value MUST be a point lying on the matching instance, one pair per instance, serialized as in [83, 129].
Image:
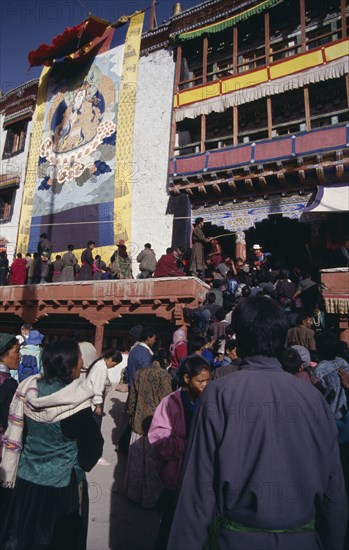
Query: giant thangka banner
[72, 194]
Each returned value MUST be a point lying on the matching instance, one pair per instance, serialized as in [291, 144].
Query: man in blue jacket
[140, 355]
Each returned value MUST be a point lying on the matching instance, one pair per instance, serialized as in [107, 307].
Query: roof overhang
[330, 199]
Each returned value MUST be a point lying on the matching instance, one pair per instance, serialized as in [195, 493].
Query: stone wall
[151, 152]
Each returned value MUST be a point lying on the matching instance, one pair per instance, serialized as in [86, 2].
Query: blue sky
[26, 24]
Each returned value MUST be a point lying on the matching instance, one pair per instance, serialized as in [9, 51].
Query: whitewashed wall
[154, 101]
[13, 166]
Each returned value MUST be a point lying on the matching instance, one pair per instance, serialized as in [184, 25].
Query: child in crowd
[169, 431]
[97, 380]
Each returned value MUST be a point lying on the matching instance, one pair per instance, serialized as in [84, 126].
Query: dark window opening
[328, 103]
[219, 130]
[6, 201]
[288, 113]
[191, 66]
[15, 139]
[220, 55]
[253, 121]
[188, 137]
[251, 44]
[285, 37]
[323, 22]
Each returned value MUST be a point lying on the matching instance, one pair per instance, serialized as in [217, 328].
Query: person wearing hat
[296, 361]
[197, 262]
[121, 263]
[86, 271]
[31, 348]
[9, 360]
[258, 257]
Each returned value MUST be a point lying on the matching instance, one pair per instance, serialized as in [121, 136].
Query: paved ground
[114, 522]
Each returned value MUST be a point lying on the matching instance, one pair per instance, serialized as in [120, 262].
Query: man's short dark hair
[245, 291]
[196, 343]
[217, 283]
[147, 245]
[261, 327]
[169, 250]
[220, 314]
[291, 361]
[146, 333]
[303, 317]
[90, 242]
[211, 298]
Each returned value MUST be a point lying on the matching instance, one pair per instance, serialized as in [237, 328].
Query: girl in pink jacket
[169, 431]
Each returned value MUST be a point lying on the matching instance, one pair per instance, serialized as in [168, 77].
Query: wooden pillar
[204, 59]
[302, 18]
[235, 70]
[240, 245]
[98, 341]
[344, 328]
[344, 18]
[235, 50]
[270, 117]
[176, 86]
[307, 107]
[203, 133]
[235, 124]
[267, 38]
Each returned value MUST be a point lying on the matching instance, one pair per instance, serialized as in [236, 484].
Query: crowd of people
[218, 426]
[42, 267]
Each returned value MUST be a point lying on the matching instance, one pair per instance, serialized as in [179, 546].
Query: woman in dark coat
[86, 271]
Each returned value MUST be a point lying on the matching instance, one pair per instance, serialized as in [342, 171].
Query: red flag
[72, 39]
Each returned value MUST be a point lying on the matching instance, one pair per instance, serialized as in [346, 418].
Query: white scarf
[50, 408]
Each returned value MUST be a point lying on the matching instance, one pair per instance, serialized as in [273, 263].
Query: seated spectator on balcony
[19, 270]
[121, 263]
[167, 265]
[99, 267]
[147, 262]
[4, 268]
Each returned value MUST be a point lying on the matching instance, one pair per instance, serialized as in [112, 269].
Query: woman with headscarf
[178, 350]
[121, 264]
[51, 440]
